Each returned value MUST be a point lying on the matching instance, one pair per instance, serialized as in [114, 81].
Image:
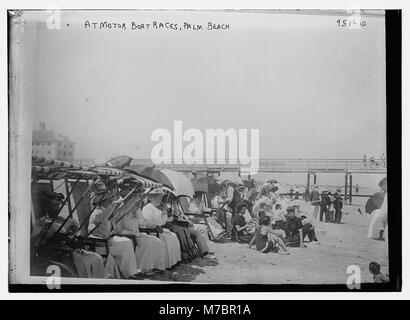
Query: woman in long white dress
[151, 217]
[378, 223]
[149, 250]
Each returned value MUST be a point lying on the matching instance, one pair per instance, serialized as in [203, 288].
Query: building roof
[49, 136]
[43, 136]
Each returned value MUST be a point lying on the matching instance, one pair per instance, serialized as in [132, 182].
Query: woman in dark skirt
[240, 230]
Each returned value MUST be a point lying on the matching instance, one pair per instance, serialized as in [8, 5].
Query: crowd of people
[147, 232]
[266, 219]
[372, 162]
[330, 205]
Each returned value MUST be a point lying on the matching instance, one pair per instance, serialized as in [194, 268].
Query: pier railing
[296, 165]
[378, 166]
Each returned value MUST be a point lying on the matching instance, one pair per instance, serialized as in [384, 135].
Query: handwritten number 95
[350, 23]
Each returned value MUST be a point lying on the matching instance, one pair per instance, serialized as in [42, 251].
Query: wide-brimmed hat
[99, 187]
[290, 209]
[156, 192]
[100, 197]
[52, 196]
[268, 202]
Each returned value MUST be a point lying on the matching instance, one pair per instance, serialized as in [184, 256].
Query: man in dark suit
[338, 205]
[324, 203]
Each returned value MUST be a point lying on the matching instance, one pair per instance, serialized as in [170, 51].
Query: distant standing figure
[315, 202]
[338, 205]
[364, 161]
[296, 193]
[324, 206]
[357, 189]
[383, 160]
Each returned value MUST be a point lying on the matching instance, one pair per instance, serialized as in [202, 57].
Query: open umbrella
[206, 184]
[374, 202]
[181, 183]
[269, 187]
[119, 162]
[150, 173]
[231, 177]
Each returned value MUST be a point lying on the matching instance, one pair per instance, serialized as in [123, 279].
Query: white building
[50, 145]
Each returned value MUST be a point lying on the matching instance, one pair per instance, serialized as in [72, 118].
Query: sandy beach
[340, 245]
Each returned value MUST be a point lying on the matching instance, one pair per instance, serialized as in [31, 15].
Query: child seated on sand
[378, 277]
[308, 229]
[266, 239]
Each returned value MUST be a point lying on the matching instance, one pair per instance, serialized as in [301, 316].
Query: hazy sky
[313, 89]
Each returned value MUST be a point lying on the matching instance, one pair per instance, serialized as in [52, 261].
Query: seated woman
[240, 227]
[279, 216]
[266, 239]
[149, 250]
[102, 225]
[49, 218]
[268, 208]
[153, 217]
[197, 206]
[258, 207]
[223, 213]
[193, 243]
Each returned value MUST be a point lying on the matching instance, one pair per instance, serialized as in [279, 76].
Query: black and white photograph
[199, 147]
